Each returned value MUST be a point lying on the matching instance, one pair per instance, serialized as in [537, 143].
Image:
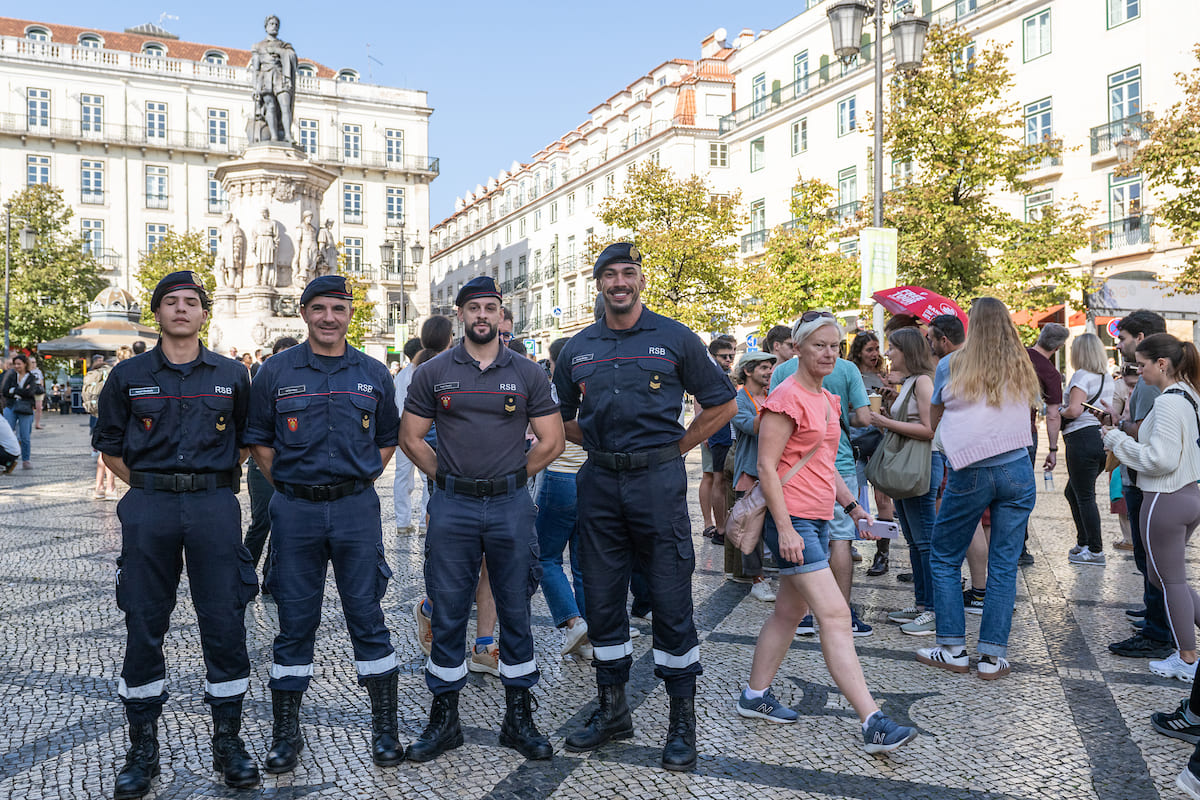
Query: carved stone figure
[273, 71]
[231, 253]
[307, 251]
[266, 245]
[327, 252]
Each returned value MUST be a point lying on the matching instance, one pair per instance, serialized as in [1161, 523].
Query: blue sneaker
[765, 707]
[858, 627]
[806, 627]
[884, 736]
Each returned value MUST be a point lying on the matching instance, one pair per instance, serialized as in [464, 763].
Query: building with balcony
[528, 226]
[132, 125]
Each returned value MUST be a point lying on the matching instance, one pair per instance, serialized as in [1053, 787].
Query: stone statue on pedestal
[231, 254]
[273, 72]
[327, 252]
[307, 251]
[266, 245]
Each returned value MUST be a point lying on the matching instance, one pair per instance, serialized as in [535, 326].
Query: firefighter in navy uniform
[323, 425]
[620, 383]
[170, 425]
[483, 396]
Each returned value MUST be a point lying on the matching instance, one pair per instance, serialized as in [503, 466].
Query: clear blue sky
[504, 79]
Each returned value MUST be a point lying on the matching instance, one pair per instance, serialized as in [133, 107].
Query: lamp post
[846, 19]
[391, 252]
[28, 242]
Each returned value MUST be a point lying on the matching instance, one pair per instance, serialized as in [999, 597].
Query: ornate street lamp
[908, 39]
[28, 241]
[846, 21]
[1126, 148]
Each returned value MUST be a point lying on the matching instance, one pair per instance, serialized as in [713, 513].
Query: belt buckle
[183, 482]
[483, 487]
[320, 494]
[622, 461]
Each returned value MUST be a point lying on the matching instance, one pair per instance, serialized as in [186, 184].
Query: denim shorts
[816, 544]
[841, 527]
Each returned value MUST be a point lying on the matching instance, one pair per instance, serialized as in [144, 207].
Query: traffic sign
[1112, 327]
[531, 345]
[751, 348]
[557, 311]
[752, 340]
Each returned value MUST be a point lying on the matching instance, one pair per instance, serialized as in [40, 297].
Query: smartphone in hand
[884, 529]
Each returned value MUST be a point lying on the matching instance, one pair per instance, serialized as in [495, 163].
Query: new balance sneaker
[924, 625]
[486, 660]
[806, 627]
[1076, 550]
[992, 667]
[904, 615]
[943, 657]
[858, 627]
[883, 736]
[1188, 783]
[973, 601]
[1176, 725]
[765, 707]
[761, 590]
[1086, 556]
[1174, 667]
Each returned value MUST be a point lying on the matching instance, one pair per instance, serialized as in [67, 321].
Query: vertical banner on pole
[877, 248]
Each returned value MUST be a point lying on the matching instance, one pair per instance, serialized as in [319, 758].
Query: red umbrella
[920, 303]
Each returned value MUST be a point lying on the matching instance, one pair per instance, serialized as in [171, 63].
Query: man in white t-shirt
[402, 484]
[10, 448]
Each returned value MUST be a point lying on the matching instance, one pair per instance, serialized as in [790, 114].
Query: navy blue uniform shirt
[481, 415]
[627, 386]
[164, 417]
[326, 425]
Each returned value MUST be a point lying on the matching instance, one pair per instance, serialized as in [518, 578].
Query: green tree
[178, 251]
[362, 317]
[686, 236]
[803, 269]
[51, 285]
[951, 122]
[1169, 162]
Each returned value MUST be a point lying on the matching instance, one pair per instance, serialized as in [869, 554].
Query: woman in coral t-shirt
[800, 417]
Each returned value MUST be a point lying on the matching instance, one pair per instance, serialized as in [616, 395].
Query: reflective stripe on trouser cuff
[143, 692]
[664, 659]
[448, 674]
[517, 670]
[376, 667]
[227, 688]
[291, 671]
[613, 652]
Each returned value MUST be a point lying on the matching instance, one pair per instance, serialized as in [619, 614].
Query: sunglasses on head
[809, 316]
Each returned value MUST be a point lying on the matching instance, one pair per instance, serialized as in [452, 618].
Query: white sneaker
[576, 638]
[762, 591]
[1188, 783]
[1086, 556]
[1076, 550]
[1174, 667]
[634, 632]
[989, 670]
[943, 657]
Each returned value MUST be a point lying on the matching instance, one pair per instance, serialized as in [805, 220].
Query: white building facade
[131, 126]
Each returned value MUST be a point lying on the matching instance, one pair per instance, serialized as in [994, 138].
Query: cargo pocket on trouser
[248, 577]
[382, 575]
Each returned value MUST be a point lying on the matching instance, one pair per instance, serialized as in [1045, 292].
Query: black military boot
[141, 762]
[443, 731]
[679, 753]
[518, 730]
[286, 739]
[385, 746]
[610, 721]
[230, 758]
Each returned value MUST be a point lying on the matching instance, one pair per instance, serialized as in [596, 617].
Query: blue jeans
[555, 529]
[22, 425]
[916, 515]
[1009, 491]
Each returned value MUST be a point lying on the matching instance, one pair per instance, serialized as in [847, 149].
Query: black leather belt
[322, 494]
[183, 481]
[621, 462]
[483, 487]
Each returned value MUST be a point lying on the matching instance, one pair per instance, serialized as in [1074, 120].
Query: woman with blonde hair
[1090, 386]
[984, 430]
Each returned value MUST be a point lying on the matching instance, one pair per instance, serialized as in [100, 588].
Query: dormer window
[91, 40]
[154, 50]
[37, 34]
[215, 57]
[307, 70]
[348, 76]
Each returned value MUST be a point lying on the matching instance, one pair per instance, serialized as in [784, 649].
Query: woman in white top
[1166, 455]
[1090, 385]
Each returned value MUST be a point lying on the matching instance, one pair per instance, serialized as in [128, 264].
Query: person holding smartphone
[1088, 391]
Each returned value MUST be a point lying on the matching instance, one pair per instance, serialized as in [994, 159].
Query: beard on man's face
[482, 338]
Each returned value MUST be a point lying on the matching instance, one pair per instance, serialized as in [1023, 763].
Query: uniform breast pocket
[294, 420]
[364, 413]
[581, 375]
[656, 375]
[148, 420]
[217, 425]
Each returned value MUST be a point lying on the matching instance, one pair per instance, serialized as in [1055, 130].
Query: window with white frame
[718, 154]
[508, 234]
[758, 90]
[1124, 197]
[353, 251]
[348, 76]
[553, 212]
[1036, 204]
[571, 204]
[1037, 35]
[758, 153]
[37, 170]
[154, 50]
[307, 70]
[38, 34]
[537, 219]
[847, 123]
[589, 195]
[156, 121]
[308, 136]
[395, 206]
[155, 233]
[1039, 121]
[758, 215]
[352, 203]
[90, 41]
[799, 136]
[91, 113]
[848, 248]
[521, 227]
[352, 142]
[965, 8]
[157, 195]
[214, 240]
[218, 126]
[847, 186]
[610, 185]
[902, 173]
[394, 145]
[92, 233]
[215, 57]
[1125, 93]
[1122, 11]
[218, 201]
[91, 182]
[39, 108]
[800, 71]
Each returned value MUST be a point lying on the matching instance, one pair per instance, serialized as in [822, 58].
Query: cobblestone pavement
[1071, 721]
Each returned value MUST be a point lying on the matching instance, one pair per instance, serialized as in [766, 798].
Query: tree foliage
[950, 121]
[51, 285]
[362, 316]
[803, 269]
[175, 252]
[1171, 164]
[686, 236]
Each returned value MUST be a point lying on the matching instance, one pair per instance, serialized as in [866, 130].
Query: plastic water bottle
[1048, 481]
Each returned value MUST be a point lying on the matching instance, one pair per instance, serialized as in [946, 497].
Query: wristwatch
[853, 505]
[1121, 426]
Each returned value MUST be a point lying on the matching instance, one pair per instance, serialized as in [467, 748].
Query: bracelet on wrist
[1053, 449]
[853, 505]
